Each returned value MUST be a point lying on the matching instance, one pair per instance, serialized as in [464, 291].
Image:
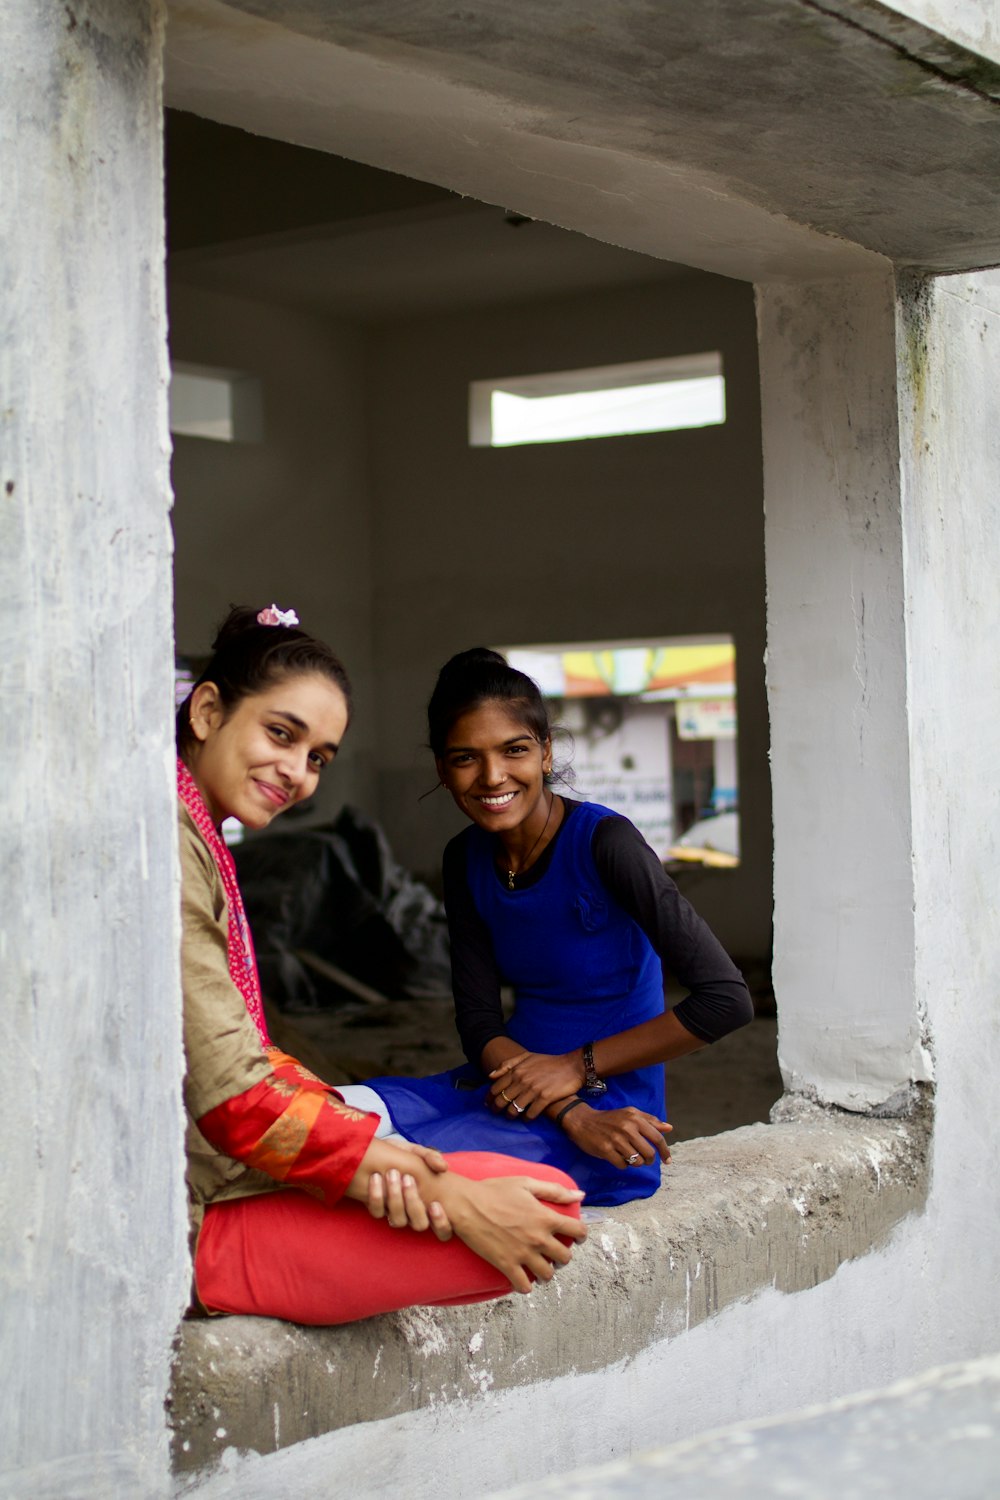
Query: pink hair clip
[275, 616]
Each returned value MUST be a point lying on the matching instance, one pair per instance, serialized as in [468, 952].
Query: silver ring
[633, 1160]
[519, 1107]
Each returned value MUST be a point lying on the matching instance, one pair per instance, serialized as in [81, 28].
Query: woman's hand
[394, 1195]
[508, 1222]
[428, 1154]
[528, 1083]
[618, 1135]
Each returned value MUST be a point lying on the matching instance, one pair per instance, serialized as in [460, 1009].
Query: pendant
[510, 878]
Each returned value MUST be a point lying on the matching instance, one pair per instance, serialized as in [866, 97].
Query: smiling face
[268, 754]
[493, 766]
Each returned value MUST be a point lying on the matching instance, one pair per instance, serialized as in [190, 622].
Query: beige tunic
[221, 1042]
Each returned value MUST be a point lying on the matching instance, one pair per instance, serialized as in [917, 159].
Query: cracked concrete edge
[780, 1205]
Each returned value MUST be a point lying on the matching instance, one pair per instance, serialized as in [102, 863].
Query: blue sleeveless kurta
[581, 969]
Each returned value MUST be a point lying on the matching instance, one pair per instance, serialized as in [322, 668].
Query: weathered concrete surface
[778, 1206]
[92, 1214]
[749, 137]
[401, 115]
[851, 1030]
[934, 1436]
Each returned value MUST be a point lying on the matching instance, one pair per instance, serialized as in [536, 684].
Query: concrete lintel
[411, 111]
[779, 1205]
[761, 139]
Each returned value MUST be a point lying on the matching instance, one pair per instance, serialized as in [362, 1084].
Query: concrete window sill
[779, 1205]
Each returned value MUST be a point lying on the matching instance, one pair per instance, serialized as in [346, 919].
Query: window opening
[658, 395]
[207, 402]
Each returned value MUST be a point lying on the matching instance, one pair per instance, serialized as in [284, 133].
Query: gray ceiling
[285, 224]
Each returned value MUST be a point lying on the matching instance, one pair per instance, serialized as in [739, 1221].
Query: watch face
[592, 1085]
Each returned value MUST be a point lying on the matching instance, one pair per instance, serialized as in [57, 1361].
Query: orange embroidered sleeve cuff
[296, 1134]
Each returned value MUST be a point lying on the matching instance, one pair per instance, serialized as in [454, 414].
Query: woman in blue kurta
[565, 902]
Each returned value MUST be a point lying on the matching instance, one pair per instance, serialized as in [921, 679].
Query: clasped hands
[526, 1085]
[394, 1195]
[514, 1223]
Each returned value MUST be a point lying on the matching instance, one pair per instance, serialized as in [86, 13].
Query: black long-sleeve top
[719, 1000]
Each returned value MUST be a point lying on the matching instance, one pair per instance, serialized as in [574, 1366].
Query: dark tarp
[336, 892]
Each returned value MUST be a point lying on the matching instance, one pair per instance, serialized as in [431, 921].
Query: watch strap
[592, 1083]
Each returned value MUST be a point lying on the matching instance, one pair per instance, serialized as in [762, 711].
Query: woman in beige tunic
[298, 1212]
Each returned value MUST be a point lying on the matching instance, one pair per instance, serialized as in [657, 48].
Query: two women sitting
[467, 1185]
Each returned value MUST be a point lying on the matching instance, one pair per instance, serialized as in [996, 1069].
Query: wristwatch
[592, 1084]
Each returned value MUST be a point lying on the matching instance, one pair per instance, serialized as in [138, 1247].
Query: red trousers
[283, 1255]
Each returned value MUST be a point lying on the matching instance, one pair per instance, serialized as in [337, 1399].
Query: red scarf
[242, 960]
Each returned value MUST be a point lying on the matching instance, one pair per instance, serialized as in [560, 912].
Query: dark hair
[482, 676]
[248, 657]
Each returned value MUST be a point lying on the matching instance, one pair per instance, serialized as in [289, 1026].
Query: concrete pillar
[949, 362]
[92, 1222]
[850, 1032]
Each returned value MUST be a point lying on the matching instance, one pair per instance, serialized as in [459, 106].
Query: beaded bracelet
[566, 1109]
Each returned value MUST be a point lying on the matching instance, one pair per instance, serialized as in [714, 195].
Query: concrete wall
[867, 1446]
[94, 1256]
[93, 1221]
[950, 442]
[659, 534]
[843, 964]
[288, 517]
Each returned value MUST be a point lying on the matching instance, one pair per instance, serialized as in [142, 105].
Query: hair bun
[476, 656]
[477, 676]
[240, 620]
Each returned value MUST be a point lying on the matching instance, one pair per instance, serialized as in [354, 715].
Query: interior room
[346, 314]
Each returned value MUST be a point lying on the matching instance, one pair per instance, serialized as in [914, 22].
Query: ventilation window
[654, 395]
[223, 405]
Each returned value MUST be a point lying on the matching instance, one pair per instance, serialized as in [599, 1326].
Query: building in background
[650, 727]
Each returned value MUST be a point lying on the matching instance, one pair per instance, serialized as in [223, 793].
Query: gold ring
[505, 1095]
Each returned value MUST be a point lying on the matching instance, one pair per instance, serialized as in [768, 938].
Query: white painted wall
[658, 534]
[930, 1295]
[92, 1213]
[289, 517]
